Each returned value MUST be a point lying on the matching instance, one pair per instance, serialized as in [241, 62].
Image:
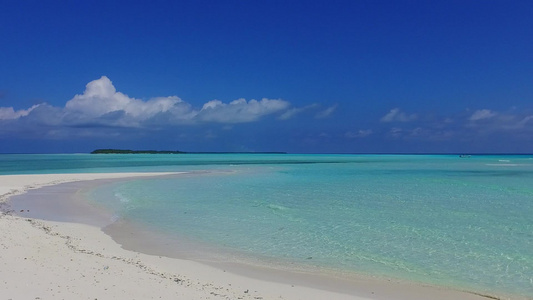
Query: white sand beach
[56, 260]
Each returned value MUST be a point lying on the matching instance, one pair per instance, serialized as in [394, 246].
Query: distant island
[122, 151]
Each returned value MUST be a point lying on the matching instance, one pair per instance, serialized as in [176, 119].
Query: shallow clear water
[460, 222]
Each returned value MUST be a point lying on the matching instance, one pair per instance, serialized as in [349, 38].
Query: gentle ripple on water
[463, 222]
[445, 222]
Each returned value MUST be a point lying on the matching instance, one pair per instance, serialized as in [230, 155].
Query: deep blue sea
[438, 219]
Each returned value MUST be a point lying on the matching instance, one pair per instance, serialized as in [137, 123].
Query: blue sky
[295, 76]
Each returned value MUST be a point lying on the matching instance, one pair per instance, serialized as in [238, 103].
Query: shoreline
[126, 271]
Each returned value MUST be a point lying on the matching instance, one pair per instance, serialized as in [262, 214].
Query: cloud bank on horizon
[102, 106]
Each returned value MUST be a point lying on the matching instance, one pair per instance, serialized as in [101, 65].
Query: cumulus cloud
[101, 110]
[100, 97]
[395, 115]
[8, 113]
[101, 105]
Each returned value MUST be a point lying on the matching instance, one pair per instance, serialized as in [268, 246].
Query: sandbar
[59, 259]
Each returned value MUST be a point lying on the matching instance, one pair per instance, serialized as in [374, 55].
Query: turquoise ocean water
[438, 219]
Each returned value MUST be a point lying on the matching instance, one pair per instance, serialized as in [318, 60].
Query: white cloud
[102, 105]
[472, 125]
[101, 109]
[395, 115]
[482, 114]
[296, 110]
[327, 112]
[240, 111]
[487, 121]
[8, 113]
[101, 100]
